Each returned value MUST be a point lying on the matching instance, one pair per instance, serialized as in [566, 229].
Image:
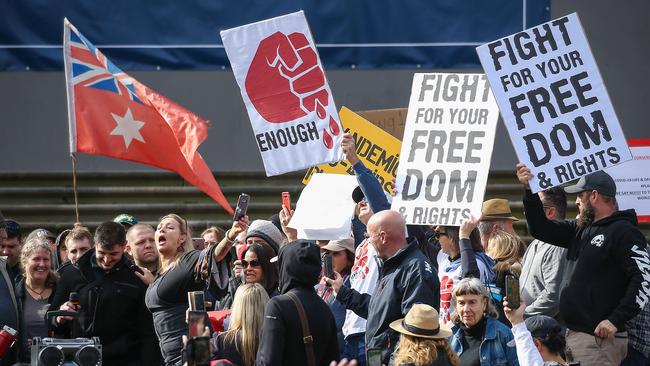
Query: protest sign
[446, 150]
[325, 208]
[633, 180]
[553, 102]
[378, 151]
[389, 120]
[288, 99]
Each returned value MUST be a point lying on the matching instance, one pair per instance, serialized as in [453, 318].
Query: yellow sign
[377, 149]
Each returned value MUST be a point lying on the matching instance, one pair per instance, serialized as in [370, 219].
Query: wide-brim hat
[340, 245]
[422, 321]
[497, 209]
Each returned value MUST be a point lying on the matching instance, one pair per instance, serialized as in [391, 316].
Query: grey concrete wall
[33, 114]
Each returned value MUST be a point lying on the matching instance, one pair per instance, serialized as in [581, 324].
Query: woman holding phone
[179, 272]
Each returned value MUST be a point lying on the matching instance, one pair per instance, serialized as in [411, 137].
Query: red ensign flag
[114, 115]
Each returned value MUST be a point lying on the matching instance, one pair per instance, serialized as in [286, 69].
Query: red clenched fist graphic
[284, 82]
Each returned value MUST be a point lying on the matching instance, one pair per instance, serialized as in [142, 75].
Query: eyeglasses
[438, 234]
[368, 236]
[253, 263]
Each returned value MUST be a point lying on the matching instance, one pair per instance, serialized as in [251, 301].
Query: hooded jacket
[405, 279]
[281, 341]
[611, 266]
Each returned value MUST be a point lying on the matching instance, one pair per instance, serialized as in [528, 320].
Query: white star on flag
[128, 127]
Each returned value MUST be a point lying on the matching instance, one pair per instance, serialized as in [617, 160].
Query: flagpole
[74, 186]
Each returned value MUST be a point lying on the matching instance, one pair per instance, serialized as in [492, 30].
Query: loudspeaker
[59, 352]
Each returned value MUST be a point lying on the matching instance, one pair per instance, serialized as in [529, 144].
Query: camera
[72, 352]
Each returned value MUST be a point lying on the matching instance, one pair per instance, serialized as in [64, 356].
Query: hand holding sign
[349, 148]
[524, 175]
[284, 81]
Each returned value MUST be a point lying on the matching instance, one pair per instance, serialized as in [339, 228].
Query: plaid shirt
[638, 329]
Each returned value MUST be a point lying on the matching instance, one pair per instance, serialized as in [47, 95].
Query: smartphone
[195, 323]
[286, 200]
[242, 207]
[198, 351]
[196, 300]
[373, 357]
[135, 268]
[512, 291]
[327, 264]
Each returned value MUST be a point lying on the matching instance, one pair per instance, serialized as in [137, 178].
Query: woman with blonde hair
[179, 271]
[240, 342]
[423, 340]
[34, 291]
[507, 250]
[478, 337]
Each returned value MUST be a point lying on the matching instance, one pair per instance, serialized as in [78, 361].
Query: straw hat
[421, 321]
[497, 209]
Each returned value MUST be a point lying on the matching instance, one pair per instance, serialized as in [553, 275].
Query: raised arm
[468, 264]
[370, 186]
[558, 233]
[229, 239]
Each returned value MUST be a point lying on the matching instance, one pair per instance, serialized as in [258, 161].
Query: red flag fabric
[114, 115]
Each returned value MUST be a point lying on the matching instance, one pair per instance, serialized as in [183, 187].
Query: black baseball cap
[540, 326]
[599, 181]
[357, 195]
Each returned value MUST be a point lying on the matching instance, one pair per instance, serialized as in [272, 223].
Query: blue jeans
[355, 348]
[634, 357]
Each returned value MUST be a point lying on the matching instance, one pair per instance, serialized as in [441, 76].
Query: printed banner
[633, 180]
[378, 151]
[325, 208]
[446, 150]
[554, 102]
[289, 102]
[362, 34]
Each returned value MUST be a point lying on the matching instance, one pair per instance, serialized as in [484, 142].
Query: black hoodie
[281, 339]
[611, 279]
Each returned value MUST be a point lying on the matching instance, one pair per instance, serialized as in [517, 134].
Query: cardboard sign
[288, 99]
[378, 151]
[633, 180]
[554, 103]
[325, 208]
[446, 150]
[389, 120]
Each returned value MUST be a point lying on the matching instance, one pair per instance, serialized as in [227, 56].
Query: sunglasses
[438, 234]
[253, 263]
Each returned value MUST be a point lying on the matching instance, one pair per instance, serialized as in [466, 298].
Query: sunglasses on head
[253, 263]
[438, 234]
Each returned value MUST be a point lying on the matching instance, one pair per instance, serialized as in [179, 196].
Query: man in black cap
[609, 285]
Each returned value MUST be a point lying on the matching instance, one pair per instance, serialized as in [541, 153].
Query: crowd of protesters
[399, 294]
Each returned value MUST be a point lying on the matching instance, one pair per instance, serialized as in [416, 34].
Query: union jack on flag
[90, 68]
[114, 115]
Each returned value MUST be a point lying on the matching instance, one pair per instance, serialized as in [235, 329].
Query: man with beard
[608, 286]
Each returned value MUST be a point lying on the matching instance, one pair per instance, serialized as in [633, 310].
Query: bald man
[406, 277]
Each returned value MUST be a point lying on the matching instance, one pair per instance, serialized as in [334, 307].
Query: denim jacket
[497, 348]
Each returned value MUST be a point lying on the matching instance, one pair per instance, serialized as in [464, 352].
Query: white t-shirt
[363, 278]
[449, 274]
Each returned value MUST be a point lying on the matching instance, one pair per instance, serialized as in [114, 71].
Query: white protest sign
[553, 102]
[446, 149]
[633, 180]
[325, 208]
[288, 99]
